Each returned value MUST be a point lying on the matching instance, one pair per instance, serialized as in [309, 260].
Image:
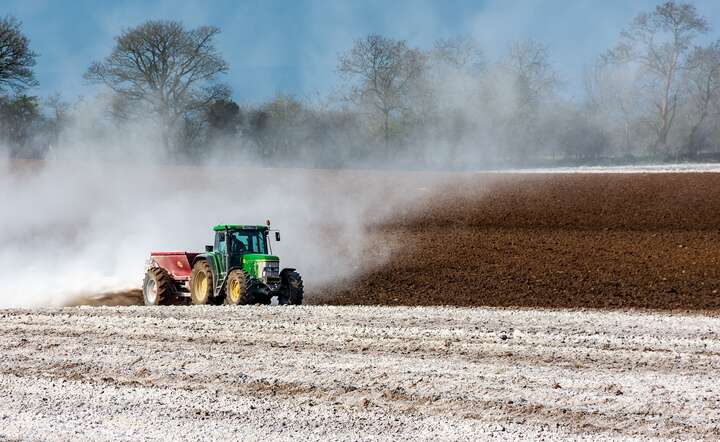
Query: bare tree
[703, 80]
[58, 117]
[659, 42]
[287, 127]
[16, 58]
[162, 67]
[384, 70]
[532, 84]
[461, 53]
[535, 79]
[454, 67]
[612, 95]
[444, 101]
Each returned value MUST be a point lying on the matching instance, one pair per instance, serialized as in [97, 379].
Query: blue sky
[291, 46]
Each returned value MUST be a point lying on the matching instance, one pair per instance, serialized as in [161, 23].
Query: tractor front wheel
[236, 292]
[158, 287]
[201, 283]
[240, 289]
[291, 290]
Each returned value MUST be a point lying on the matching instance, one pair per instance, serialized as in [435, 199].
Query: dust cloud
[75, 227]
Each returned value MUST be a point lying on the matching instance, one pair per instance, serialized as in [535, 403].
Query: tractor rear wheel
[201, 283]
[240, 290]
[158, 287]
[291, 290]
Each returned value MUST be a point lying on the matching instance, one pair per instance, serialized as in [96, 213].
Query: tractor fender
[241, 268]
[209, 260]
[235, 268]
[150, 263]
[255, 284]
[218, 283]
[198, 258]
[223, 282]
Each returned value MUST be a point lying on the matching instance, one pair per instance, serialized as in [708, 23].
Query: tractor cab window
[248, 241]
[220, 243]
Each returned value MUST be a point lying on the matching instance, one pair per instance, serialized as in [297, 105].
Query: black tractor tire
[292, 290]
[201, 283]
[258, 296]
[158, 287]
[239, 289]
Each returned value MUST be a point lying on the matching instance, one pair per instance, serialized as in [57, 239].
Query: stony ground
[350, 373]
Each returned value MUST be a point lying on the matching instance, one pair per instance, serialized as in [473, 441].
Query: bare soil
[649, 241]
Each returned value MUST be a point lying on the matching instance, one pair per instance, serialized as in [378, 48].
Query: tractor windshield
[248, 241]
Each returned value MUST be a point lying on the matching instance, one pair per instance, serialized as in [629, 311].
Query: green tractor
[238, 269]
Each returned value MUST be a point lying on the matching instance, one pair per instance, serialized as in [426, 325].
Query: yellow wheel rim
[235, 290]
[201, 285]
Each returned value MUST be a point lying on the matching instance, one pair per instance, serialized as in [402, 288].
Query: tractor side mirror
[277, 236]
[208, 248]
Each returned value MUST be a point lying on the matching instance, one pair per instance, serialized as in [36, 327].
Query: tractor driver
[236, 245]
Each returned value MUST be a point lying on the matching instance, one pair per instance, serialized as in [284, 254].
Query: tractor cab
[244, 247]
[234, 241]
[240, 239]
[235, 244]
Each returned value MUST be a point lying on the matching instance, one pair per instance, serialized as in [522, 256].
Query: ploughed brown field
[595, 240]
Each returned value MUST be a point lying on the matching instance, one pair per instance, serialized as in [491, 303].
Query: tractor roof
[221, 227]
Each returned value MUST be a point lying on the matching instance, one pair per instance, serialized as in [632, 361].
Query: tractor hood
[263, 267]
[254, 257]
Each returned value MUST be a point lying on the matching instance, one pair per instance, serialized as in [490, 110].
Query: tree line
[654, 96]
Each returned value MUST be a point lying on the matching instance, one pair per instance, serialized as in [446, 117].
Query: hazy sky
[291, 46]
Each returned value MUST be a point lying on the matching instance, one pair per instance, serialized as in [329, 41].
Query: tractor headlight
[269, 269]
